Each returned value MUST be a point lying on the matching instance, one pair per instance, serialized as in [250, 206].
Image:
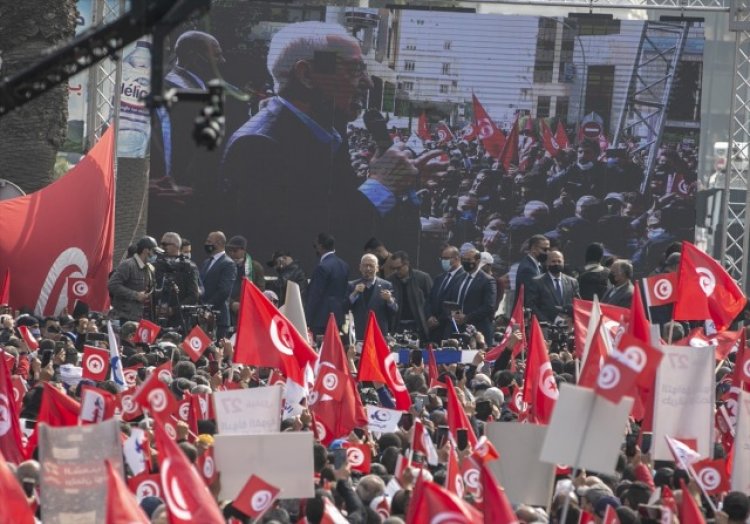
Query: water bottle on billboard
[135, 120]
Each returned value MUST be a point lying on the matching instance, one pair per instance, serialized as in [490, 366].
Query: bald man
[218, 272]
[371, 293]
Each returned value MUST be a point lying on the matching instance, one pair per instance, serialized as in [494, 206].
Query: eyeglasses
[165, 244]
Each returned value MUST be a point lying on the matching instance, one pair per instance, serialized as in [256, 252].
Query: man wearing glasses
[287, 170]
[177, 280]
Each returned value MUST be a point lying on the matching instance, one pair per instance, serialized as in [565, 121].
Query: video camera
[559, 334]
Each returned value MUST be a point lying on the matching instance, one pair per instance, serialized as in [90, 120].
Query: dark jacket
[125, 283]
[439, 295]
[593, 280]
[327, 293]
[361, 307]
[479, 303]
[528, 269]
[621, 296]
[291, 273]
[217, 285]
[418, 288]
[279, 179]
[544, 301]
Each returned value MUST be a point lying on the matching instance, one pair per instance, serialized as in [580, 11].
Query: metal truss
[104, 78]
[734, 234]
[681, 5]
[649, 92]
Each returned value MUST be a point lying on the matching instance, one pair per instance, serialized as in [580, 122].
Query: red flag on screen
[73, 218]
[492, 138]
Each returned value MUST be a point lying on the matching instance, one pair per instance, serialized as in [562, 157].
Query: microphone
[375, 123]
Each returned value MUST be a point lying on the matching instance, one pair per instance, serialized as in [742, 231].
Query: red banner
[61, 233]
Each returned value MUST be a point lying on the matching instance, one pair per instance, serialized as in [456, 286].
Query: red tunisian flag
[598, 351]
[15, 508]
[497, 507]
[122, 507]
[5, 289]
[266, 338]
[95, 363]
[185, 494]
[613, 317]
[432, 504]
[444, 133]
[561, 136]
[334, 419]
[73, 218]
[378, 364]
[705, 290]
[660, 289]
[492, 138]
[711, 475]
[539, 388]
[457, 417]
[510, 149]
[10, 429]
[741, 374]
[423, 130]
[549, 140]
[432, 368]
[256, 497]
[690, 513]
[516, 322]
[57, 410]
[196, 343]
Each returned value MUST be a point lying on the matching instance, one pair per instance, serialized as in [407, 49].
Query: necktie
[464, 289]
[210, 263]
[558, 289]
[444, 285]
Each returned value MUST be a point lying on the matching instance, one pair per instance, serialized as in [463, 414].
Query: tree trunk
[31, 135]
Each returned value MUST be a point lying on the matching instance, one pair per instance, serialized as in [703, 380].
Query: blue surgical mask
[445, 264]
[152, 259]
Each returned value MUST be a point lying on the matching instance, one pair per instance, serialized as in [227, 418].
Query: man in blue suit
[218, 273]
[326, 293]
[531, 264]
[476, 296]
[371, 293]
[444, 290]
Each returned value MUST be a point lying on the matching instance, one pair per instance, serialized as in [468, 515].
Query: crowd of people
[458, 307]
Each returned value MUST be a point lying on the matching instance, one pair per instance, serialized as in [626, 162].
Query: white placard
[684, 399]
[599, 436]
[382, 420]
[741, 464]
[252, 411]
[282, 459]
[525, 478]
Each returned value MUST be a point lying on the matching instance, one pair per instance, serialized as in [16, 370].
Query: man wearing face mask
[287, 270]
[530, 266]
[477, 295]
[131, 285]
[177, 280]
[218, 273]
[411, 289]
[621, 292]
[444, 289]
[551, 294]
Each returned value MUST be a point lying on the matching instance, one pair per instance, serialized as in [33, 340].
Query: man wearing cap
[287, 270]
[246, 267]
[218, 273]
[132, 283]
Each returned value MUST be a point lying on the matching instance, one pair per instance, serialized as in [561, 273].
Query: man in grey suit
[552, 293]
[371, 293]
[218, 273]
[621, 292]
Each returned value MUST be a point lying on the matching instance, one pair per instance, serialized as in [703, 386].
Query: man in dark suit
[594, 279]
[476, 296]
[552, 293]
[371, 293]
[288, 168]
[530, 266]
[218, 273]
[444, 289]
[326, 293]
[411, 288]
[621, 292]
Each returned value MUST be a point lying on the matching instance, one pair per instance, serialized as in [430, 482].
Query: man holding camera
[176, 280]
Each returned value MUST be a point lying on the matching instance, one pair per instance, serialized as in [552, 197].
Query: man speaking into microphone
[287, 171]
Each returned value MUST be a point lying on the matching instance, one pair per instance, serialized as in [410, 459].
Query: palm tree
[31, 135]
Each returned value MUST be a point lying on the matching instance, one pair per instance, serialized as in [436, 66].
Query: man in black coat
[218, 273]
[287, 170]
[552, 293]
[476, 296]
[326, 293]
[371, 293]
[594, 279]
[530, 265]
[444, 291]
[287, 270]
[411, 288]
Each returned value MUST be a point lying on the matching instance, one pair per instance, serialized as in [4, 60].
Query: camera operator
[176, 281]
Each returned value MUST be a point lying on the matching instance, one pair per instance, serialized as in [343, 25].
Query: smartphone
[407, 421]
[339, 458]
[419, 402]
[360, 433]
[213, 367]
[462, 438]
[646, 443]
[441, 436]
[416, 358]
[484, 409]
[97, 337]
[46, 357]
[650, 512]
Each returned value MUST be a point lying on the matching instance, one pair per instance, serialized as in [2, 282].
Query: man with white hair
[371, 293]
[287, 169]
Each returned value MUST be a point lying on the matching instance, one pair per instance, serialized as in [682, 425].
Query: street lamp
[585, 66]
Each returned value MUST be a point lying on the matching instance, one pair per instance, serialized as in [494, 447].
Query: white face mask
[446, 264]
[186, 255]
[653, 233]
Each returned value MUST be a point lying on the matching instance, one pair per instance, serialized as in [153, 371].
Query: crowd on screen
[394, 291]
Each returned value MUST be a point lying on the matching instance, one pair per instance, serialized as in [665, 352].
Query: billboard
[498, 127]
